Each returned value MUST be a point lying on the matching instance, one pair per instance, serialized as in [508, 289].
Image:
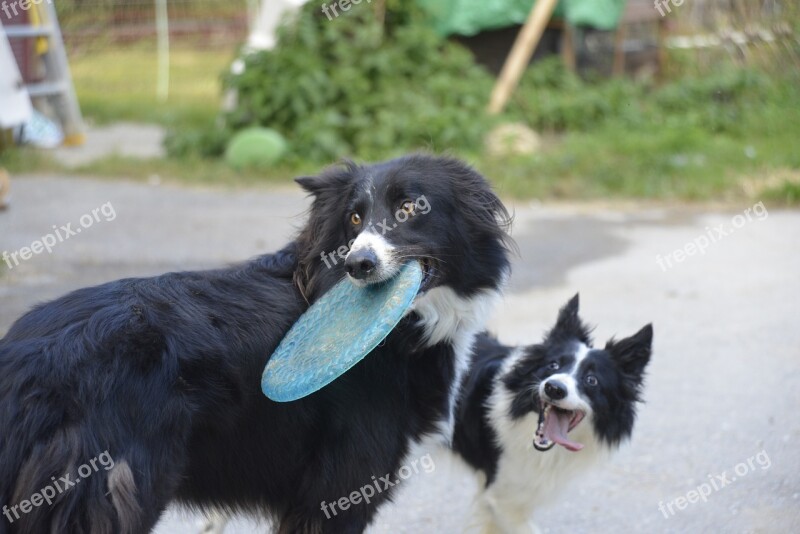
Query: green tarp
[468, 17]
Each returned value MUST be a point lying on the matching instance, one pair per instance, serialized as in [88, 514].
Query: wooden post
[618, 68]
[380, 11]
[520, 54]
[663, 32]
[568, 47]
[162, 32]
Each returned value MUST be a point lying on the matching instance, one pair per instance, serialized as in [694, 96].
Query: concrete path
[125, 139]
[723, 387]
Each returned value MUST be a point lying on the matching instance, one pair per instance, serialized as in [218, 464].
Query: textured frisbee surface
[336, 332]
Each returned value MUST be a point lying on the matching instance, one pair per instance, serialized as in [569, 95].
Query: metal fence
[154, 40]
[200, 24]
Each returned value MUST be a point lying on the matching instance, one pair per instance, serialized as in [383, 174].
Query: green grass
[663, 163]
[190, 171]
[27, 160]
[695, 138]
[120, 84]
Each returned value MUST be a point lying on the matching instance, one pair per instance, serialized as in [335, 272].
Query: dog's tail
[52, 478]
[36, 447]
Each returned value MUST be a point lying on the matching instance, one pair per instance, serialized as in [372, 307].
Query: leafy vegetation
[353, 86]
[693, 138]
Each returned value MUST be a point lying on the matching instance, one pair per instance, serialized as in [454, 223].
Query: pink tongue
[556, 426]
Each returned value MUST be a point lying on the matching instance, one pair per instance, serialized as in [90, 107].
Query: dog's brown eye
[591, 380]
[553, 366]
[409, 207]
[355, 219]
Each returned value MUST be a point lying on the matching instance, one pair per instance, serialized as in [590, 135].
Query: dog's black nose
[360, 263]
[555, 390]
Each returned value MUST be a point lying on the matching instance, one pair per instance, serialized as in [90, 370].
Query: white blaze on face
[387, 263]
[573, 400]
[558, 416]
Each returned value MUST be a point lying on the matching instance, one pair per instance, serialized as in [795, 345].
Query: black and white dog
[518, 403]
[163, 374]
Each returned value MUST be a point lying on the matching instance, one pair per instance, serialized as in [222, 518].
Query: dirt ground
[723, 386]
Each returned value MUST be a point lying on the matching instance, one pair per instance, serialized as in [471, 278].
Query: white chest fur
[447, 317]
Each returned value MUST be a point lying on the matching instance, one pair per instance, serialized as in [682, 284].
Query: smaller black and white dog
[517, 403]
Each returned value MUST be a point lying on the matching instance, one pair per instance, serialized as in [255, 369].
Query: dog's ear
[333, 179]
[310, 184]
[632, 354]
[568, 314]
[569, 324]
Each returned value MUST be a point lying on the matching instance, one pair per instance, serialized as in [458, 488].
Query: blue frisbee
[336, 333]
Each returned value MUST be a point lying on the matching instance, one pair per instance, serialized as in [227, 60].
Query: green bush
[204, 142]
[717, 102]
[351, 86]
[551, 98]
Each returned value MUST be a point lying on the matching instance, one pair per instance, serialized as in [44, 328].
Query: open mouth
[554, 425]
[428, 274]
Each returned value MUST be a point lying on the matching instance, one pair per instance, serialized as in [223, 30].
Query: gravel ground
[724, 384]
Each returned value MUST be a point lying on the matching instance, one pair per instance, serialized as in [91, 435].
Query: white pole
[162, 31]
[252, 14]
